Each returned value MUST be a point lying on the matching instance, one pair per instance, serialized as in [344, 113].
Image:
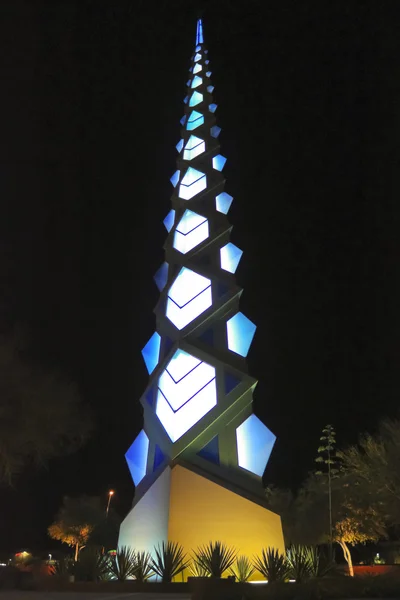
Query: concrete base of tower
[185, 507]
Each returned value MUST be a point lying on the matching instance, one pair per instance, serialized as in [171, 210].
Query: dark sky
[309, 105]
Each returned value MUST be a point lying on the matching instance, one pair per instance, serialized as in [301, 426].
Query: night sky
[309, 105]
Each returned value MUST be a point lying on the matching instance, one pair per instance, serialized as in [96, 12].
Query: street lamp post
[110, 494]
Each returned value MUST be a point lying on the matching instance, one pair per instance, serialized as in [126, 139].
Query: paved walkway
[19, 595]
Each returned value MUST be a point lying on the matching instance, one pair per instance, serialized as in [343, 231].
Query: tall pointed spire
[198, 418]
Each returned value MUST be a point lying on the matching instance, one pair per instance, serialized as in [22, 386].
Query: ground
[19, 595]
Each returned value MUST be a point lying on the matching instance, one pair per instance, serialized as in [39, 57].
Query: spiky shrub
[197, 570]
[215, 558]
[299, 559]
[63, 567]
[169, 561]
[242, 569]
[272, 565]
[141, 569]
[320, 562]
[92, 565]
[122, 563]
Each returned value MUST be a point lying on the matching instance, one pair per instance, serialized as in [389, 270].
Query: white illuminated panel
[196, 81]
[230, 256]
[191, 230]
[254, 445]
[195, 99]
[195, 120]
[192, 183]
[188, 297]
[197, 68]
[194, 147]
[182, 402]
[197, 57]
[177, 393]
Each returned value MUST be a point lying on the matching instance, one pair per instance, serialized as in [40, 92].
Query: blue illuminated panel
[136, 457]
[186, 392]
[218, 162]
[199, 32]
[208, 73]
[197, 68]
[212, 107]
[210, 89]
[215, 131]
[197, 57]
[191, 230]
[188, 297]
[179, 145]
[230, 256]
[194, 147]
[240, 331]
[151, 352]
[196, 81]
[193, 183]
[195, 99]
[254, 445]
[161, 276]
[195, 120]
[169, 220]
[223, 202]
[183, 119]
[175, 178]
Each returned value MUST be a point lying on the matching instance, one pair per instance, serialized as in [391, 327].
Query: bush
[272, 565]
[170, 560]
[215, 558]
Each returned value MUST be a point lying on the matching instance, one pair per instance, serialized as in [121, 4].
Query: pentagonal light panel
[194, 147]
[197, 68]
[188, 297]
[186, 392]
[230, 256]
[136, 457]
[191, 230]
[196, 81]
[195, 120]
[169, 220]
[240, 332]
[223, 202]
[193, 182]
[218, 162]
[195, 99]
[151, 352]
[254, 445]
[175, 178]
[161, 276]
[179, 146]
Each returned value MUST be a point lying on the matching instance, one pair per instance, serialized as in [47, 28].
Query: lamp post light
[110, 494]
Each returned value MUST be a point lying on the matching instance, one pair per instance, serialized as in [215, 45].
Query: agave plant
[92, 565]
[169, 561]
[242, 569]
[197, 570]
[215, 558]
[320, 563]
[272, 564]
[122, 563]
[141, 569]
[63, 567]
[299, 559]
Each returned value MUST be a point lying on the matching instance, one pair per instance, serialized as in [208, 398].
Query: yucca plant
[122, 563]
[169, 561]
[141, 569]
[92, 565]
[320, 562]
[299, 559]
[63, 567]
[272, 564]
[242, 569]
[215, 558]
[197, 570]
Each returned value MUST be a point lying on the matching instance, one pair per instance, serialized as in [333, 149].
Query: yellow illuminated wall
[201, 511]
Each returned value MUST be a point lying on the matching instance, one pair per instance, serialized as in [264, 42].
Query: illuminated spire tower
[198, 462]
